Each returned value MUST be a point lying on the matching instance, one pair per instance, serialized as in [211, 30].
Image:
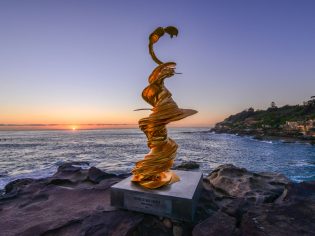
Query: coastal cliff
[288, 122]
[234, 201]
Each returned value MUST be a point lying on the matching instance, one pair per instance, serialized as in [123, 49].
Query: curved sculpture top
[154, 170]
[156, 35]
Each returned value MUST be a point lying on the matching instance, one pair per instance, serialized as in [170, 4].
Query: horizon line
[97, 124]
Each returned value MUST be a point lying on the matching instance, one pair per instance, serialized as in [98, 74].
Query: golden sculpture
[154, 170]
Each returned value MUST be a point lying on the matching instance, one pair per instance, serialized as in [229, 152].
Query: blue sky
[88, 62]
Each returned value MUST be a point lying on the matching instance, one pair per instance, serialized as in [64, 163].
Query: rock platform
[234, 201]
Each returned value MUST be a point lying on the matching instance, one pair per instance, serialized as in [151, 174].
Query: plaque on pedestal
[176, 201]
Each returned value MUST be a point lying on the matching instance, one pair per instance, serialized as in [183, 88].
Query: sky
[87, 62]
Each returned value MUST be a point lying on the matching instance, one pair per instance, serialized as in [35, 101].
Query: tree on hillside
[312, 101]
[251, 109]
[273, 105]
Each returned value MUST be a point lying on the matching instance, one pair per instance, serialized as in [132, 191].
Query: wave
[20, 145]
[38, 154]
[266, 141]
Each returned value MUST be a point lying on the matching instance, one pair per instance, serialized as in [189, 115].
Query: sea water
[36, 154]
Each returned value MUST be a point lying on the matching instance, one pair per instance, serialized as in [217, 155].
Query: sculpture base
[175, 201]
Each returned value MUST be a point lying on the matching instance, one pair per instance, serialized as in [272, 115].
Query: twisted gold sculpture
[154, 170]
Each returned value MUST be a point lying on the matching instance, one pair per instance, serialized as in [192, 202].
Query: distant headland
[290, 122]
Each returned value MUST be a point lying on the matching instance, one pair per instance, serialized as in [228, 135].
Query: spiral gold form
[154, 170]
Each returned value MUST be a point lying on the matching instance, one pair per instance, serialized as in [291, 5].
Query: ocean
[36, 154]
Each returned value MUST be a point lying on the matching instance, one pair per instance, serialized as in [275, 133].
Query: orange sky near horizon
[66, 119]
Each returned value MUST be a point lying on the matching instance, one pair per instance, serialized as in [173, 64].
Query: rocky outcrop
[239, 183]
[187, 165]
[72, 202]
[218, 224]
[292, 214]
[255, 204]
[234, 201]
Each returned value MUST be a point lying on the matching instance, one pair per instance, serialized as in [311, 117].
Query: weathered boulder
[187, 165]
[237, 182]
[261, 203]
[15, 185]
[96, 175]
[292, 214]
[217, 224]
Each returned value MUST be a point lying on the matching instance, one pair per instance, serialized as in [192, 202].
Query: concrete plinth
[176, 201]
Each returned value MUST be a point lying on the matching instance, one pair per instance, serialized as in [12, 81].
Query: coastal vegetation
[290, 121]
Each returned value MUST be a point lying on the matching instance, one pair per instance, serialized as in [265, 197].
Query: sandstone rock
[232, 181]
[208, 203]
[187, 165]
[152, 225]
[64, 204]
[260, 204]
[295, 219]
[217, 224]
[293, 214]
[16, 185]
[177, 230]
[298, 192]
[96, 175]
[167, 223]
